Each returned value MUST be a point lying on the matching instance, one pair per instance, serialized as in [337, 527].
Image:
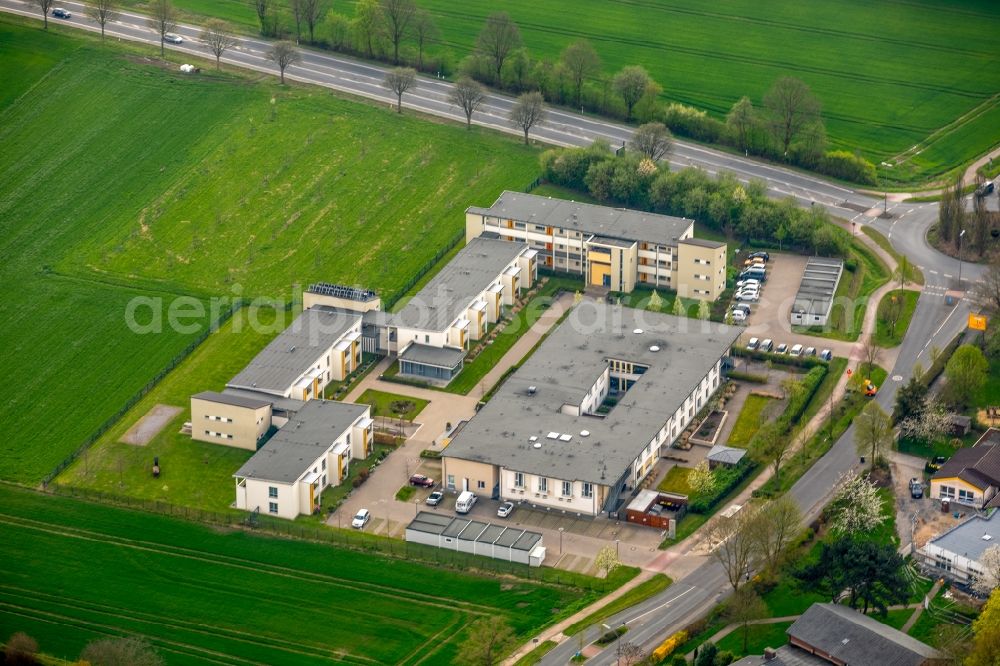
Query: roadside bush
[779, 359]
[726, 478]
[20, 649]
[568, 167]
[747, 377]
[847, 166]
[799, 401]
[430, 453]
[694, 123]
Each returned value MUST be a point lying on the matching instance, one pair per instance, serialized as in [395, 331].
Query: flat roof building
[610, 247]
[313, 450]
[584, 419]
[432, 332]
[957, 553]
[814, 299]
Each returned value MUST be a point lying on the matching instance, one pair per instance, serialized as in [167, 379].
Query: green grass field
[749, 420]
[73, 571]
[908, 83]
[885, 335]
[759, 636]
[382, 404]
[122, 179]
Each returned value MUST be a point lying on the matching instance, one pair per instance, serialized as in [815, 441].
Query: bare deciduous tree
[743, 608]
[873, 434]
[528, 110]
[986, 292]
[891, 310]
[102, 12]
[218, 37]
[283, 54]
[628, 653]
[467, 95]
[265, 11]
[44, 6]
[489, 640]
[398, 21]
[741, 121]
[631, 84]
[399, 80]
[791, 108]
[295, 7]
[774, 527]
[312, 14]
[368, 24]
[770, 447]
[163, 19]
[121, 652]
[870, 351]
[424, 32]
[652, 140]
[498, 38]
[581, 61]
[735, 545]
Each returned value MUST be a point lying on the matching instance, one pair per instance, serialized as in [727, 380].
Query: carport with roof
[500, 542]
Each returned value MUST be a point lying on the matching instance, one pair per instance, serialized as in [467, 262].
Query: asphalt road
[431, 96]
[934, 322]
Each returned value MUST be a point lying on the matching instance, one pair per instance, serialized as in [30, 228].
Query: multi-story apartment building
[584, 420]
[615, 248]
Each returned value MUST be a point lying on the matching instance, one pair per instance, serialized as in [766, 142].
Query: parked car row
[767, 345]
[748, 285]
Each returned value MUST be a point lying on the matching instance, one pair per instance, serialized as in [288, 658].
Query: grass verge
[911, 272]
[389, 404]
[640, 592]
[749, 420]
[904, 302]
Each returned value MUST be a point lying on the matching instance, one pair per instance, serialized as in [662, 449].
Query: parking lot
[770, 317]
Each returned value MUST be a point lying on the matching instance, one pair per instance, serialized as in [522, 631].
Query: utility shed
[814, 299]
[477, 538]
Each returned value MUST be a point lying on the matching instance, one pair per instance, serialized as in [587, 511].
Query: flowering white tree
[989, 579]
[701, 479]
[607, 559]
[932, 422]
[655, 301]
[857, 507]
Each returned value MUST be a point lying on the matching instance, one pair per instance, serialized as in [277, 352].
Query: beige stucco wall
[310, 299]
[473, 473]
[711, 276]
[244, 426]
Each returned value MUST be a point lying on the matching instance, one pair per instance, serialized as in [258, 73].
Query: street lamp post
[617, 549]
[962, 233]
[560, 539]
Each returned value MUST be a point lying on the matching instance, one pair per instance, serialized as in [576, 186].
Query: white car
[173, 38]
[753, 344]
[505, 509]
[796, 350]
[739, 316]
[361, 519]
[782, 348]
[767, 345]
[748, 282]
[740, 306]
[747, 296]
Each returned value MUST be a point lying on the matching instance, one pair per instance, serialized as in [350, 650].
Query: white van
[465, 502]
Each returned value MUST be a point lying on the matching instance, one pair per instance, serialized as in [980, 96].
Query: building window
[480, 484]
[543, 484]
[518, 480]
[324, 464]
[947, 492]
[347, 439]
[966, 496]
[427, 338]
[451, 481]
[272, 507]
[272, 492]
[567, 488]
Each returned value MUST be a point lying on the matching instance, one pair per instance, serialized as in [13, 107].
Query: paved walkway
[390, 516]
[920, 607]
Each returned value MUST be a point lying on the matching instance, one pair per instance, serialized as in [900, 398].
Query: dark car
[916, 488]
[762, 255]
[61, 13]
[422, 481]
[985, 188]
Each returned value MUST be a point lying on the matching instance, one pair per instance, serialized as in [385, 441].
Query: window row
[586, 490]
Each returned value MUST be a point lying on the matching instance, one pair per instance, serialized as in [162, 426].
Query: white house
[956, 553]
[312, 451]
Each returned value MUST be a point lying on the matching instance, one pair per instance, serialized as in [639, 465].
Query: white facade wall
[254, 493]
[326, 365]
[552, 497]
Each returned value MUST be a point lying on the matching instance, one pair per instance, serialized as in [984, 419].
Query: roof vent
[553, 435]
[532, 390]
[584, 433]
[987, 537]
[637, 331]
[565, 438]
[292, 349]
[533, 438]
[654, 348]
[537, 445]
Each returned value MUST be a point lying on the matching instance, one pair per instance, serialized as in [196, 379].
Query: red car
[421, 480]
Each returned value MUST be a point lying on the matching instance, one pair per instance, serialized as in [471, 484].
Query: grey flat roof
[235, 400]
[298, 443]
[449, 293]
[295, 349]
[703, 242]
[442, 357]
[474, 530]
[855, 638]
[431, 523]
[588, 219]
[277, 402]
[966, 539]
[726, 454]
[565, 368]
[490, 534]
[819, 283]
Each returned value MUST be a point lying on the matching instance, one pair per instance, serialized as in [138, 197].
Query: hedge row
[726, 479]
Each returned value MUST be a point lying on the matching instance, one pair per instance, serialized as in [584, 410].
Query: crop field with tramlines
[71, 571]
[122, 178]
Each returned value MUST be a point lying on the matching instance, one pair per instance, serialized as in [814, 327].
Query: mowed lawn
[71, 571]
[122, 179]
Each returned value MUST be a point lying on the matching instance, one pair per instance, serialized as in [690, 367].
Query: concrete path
[920, 607]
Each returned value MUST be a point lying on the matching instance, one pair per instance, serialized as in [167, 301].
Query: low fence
[343, 538]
